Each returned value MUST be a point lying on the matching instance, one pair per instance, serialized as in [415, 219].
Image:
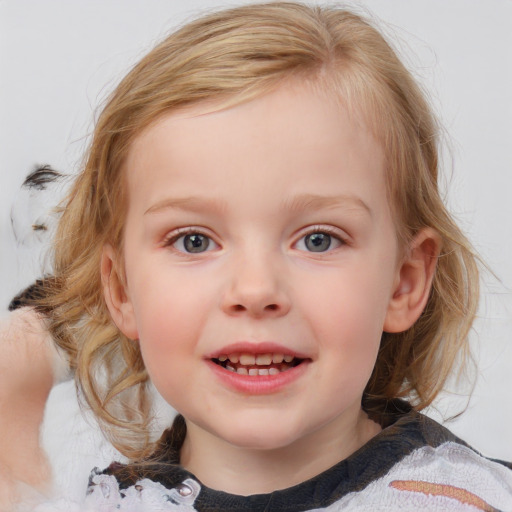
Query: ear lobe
[116, 296]
[414, 281]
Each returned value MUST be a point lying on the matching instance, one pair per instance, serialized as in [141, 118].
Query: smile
[255, 365]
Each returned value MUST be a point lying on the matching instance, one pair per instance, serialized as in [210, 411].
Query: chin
[261, 437]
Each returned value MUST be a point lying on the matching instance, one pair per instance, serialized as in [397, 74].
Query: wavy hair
[231, 57]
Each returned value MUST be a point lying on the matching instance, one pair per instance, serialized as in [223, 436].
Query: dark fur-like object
[30, 296]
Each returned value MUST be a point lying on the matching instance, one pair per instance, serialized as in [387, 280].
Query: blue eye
[319, 241]
[192, 243]
[196, 243]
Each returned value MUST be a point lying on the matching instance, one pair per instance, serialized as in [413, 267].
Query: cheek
[346, 314]
[168, 336]
[170, 312]
[349, 302]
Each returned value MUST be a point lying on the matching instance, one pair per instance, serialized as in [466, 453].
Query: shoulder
[450, 476]
[427, 466]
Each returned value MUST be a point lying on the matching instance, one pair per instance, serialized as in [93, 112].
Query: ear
[116, 295]
[413, 282]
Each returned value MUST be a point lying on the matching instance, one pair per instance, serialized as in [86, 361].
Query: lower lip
[260, 384]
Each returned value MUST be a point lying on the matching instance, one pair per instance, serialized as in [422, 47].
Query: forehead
[295, 137]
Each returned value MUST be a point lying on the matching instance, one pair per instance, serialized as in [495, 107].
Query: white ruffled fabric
[104, 496]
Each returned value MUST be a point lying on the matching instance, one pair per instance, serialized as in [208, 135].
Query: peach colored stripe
[448, 491]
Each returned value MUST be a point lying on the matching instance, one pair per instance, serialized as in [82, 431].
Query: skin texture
[257, 179]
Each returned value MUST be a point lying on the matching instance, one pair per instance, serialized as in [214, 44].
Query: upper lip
[246, 347]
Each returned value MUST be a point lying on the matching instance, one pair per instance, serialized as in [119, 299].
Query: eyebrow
[314, 202]
[191, 203]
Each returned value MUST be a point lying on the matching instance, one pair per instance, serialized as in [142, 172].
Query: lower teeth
[254, 371]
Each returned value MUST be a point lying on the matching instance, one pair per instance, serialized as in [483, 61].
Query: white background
[59, 58]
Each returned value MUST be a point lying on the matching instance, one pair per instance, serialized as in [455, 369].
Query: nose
[256, 288]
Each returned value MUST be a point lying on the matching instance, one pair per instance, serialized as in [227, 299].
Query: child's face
[255, 232]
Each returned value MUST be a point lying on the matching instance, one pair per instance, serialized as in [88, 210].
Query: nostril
[239, 307]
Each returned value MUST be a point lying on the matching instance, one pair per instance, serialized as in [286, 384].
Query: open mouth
[256, 365]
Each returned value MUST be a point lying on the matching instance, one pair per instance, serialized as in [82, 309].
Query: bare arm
[26, 378]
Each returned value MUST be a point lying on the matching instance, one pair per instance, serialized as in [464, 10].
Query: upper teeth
[256, 359]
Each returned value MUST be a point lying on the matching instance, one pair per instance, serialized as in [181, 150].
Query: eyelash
[333, 233]
[171, 239]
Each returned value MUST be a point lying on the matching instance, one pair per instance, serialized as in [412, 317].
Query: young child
[258, 231]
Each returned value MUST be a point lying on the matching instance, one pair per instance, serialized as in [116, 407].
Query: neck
[245, 471]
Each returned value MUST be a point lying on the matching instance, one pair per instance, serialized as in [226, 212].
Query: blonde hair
[233, 56]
